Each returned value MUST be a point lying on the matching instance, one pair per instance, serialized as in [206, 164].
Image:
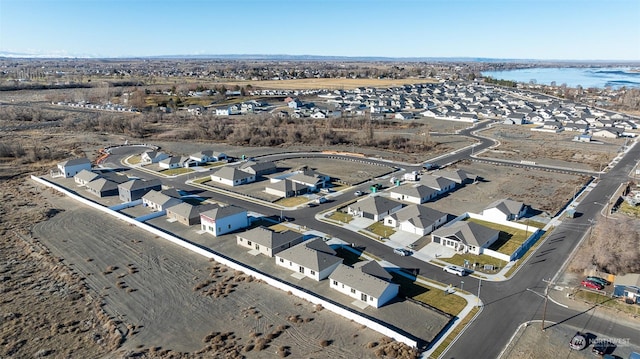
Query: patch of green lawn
[437, 298]
[606, 301]
[292, 201]
[176, 171]
[482, 259]
[341, 217]
[381, 230]
[510, 238]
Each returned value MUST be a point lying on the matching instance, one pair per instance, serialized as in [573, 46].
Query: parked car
[602, 347]
[358, 193]
[321, 200]
[459, 271]
[603, 282]
[402, 252]
[592, 285]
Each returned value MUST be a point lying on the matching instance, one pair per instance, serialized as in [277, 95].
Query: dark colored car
[591, 285]
[603, 282]
[602, 347]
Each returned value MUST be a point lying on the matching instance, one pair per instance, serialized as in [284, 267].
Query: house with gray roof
[223, 220]
[440, 184]
[262, 240]
[205, 156]
[232, 176]
[358, 283]
[136, 188]
[416, 219]
[72, 167]
[159, 201]
[286, 188]
[458, 176]
[465, 236]
[85, 176]
[627, 286]
[258, 168]
[149, 157]
[413, 193]
[102, 187]
[504, 210]
[187, 213]
[312, 258]
[376, 207]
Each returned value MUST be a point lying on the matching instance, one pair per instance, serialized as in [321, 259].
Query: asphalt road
[506, 304]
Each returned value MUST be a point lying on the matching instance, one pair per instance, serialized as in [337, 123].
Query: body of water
[599, 77]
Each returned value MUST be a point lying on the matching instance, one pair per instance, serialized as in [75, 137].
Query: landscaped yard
[202, 180]
[176, 171]
[510, 238]
[482, 259]
[630, 210]
[436, 298]
[134, 160]
[292, 201]
[341, 217]
[213, 164]
[381, 230]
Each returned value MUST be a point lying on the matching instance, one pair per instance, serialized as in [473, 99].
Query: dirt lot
[556, 149]
[541, 190]
[165, 297]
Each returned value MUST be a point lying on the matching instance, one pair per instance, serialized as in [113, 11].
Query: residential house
[458, 176]
[312, 258]
[627, 286]
[268, 242]
[232, 176]
[312, 181]
[134, 189]
[413, 193]
[258, 168]
[403, 116]
[85, 176]
[376, 207]
[102, 187]
[174, 162]
[149, 157]
[72, 167]
[187, 213]
[416, 219]
[505, 210]
[367, 282]
[465, 236]
[608, 132]
[286, 188]
[223, 220]
[203, 157]
[440, 184]
[159, 201]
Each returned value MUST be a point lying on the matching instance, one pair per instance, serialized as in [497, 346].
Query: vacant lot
[168, 298]
[556, 149]
[543, 191]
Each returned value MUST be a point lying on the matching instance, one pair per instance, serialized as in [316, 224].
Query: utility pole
[546, 299]
[479, 286]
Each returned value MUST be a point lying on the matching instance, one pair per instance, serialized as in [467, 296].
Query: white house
[416, 219]
[375, 208]
[313, 259]
[504, 210]
[149, 157]
[232, 176]
[158, 201]
[72, 167]
[413, 193]
[207, 156]
[267, 242]
[361, 283]
[174, 162]
[223, 220]
[85, 176]
[465, 236]
[440, 184]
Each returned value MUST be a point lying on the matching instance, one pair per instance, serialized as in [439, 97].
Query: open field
[557, 149]
[166, 297]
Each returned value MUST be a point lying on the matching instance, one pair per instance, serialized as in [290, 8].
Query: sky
[512, 29]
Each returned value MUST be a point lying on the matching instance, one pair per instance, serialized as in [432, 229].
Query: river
[598, 77]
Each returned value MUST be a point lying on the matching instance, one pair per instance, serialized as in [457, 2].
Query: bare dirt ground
[557, 149]
[541, 190]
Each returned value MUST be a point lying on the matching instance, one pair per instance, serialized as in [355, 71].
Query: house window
[219, 229]
[257, 246]
[228, 226]
[249, 243]
[353, 291]
[371, 299]
[335, 282]
[301, 269]
[281, 260]
[290, 264]
[313, 272]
